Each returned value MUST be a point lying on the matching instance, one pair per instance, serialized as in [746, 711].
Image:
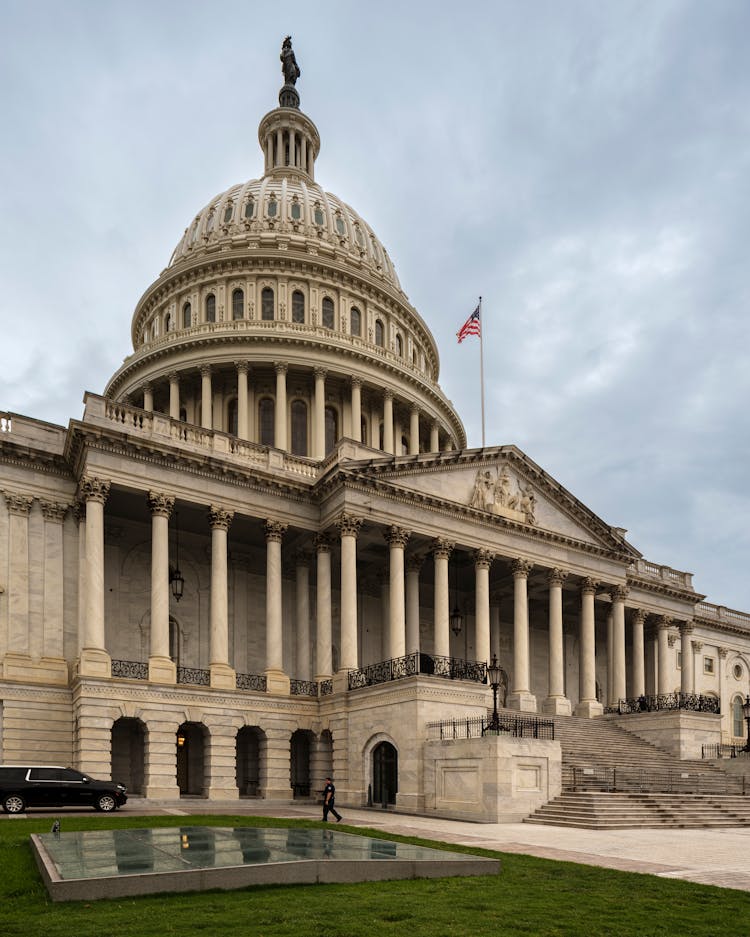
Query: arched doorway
[191, 751]
[299, 762]
[249, 740]
[384, 773]
[128, 748]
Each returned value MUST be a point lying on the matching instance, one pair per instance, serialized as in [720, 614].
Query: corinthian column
[482, 562]
[174, 395]
[357, 410]
[319, 414]
[413, 566]
[323, 664]
[222, 675]
[397, 539]
[588, 705]
[441, 552]
[388, 445]
[242, 424]
[556, 703]
[161, 669]
[619, 691]
[18, 647]
[414, 430]
[302, 596]
[687, 682]
[663, 681]
[639, 655]
[280, 407]
[277, 681]
[521, 696]
[207, 399]
[52, 644]
[349, 529]
[94, 660]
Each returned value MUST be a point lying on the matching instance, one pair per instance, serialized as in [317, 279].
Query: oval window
[228, 212]
[249, 208]
[296, 211]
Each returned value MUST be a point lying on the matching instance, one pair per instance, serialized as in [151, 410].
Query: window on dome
[327, 313]
[266, 304]
[299, 427]
[271, 209]
[266, 409]
[319, 216]
[187, 316]
[210, 308]
[298, 306]
[331, 421]
[379, 333]
[358, 235]
[414, 357]
[296, 211]
[210, 222]
[355, 321]
[249, 209]
[238, 304]
[340, 226]
[399, 346]
[228, 212]
[167, 322]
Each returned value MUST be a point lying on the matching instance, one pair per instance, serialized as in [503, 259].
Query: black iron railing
[666, 701]
[194, 676]
[640, 781]
[251, 681]
[130, 669]
[724, 750]
[452, 668]
[303, 688]
[326, 687]
[474, 727]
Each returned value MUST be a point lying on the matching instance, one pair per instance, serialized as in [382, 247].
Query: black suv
[23, 786]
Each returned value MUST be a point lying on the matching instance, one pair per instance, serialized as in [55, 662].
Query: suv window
[12, 774]
[46, 774]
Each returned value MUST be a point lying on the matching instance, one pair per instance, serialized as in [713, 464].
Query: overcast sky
[584, 166]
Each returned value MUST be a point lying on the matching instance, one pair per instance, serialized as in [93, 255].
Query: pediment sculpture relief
[498, 493]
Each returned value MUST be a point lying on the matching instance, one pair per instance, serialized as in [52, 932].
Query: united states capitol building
[265, 554]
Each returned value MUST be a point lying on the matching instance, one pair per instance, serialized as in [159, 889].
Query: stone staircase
[612, 779]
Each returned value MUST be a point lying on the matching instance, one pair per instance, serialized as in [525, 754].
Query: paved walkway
[712, 856]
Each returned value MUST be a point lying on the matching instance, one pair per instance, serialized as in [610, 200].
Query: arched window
[249, 209]
[379, 333]
[298, 306]
[228, 212]
[187, 316]
[356, 321]
[238, 304]
[327, 313]
[296, 210]
[399, 346]
[232, 416]
[210, 308]
[271, 207]
[299, 427]
[266, 410]
[167, 322]
[266, 304]
[414, 357]
[738, 720]
[332, 428]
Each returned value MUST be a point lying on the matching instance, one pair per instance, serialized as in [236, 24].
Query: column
[94, 660]
[697, 647]
[161, 668]
[663, 679]
[687, 679]
[279, 161]
[397, 539]
[383, 580]
[482, 562]
[521, 696]
[374, 424]
[303, 153]
[639, 656]
[441, 646]
[414, 430]
[302, 607]
[349, 529]
[556, 703]
[242, 425]
[53, 662]
[206, 397]
[174, 395]
[413, 567]
[388, 445]
[722, 654]
[18, 657]
[652, 660]
[319, 414]
[434, 438]
[588, 705]
[277, 682]
[222, 675]
[357, 410]
[323, 635]
[608, 651]
[148, 397]
[619, 690]
[280, 408]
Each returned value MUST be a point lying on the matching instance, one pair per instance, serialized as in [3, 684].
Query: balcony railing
[474, 727]
[130, 669]
[452, 668]
[303, 688]
[194, 676]
[666, 701]
[251, 681]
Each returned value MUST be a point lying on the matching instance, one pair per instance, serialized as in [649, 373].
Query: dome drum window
[267, 304]
[379, 334]
[228, 212]
[238, 304]
[210, 308]
[187, 316]
[271, 207]
[355, 321]
[327, 315]
[298, 307]
[296, 210]
[249, 209]
[318, 216]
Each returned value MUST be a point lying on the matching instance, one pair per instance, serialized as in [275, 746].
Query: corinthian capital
[275, 531]
[483, 558]
[53, 510]
[619, 593]
[442, 548]
[348, 525]
[94, 489]
[218, 518]
[557, 577]
[18, 504]
[160, 504]
[396, 536]
[521, 568]
[589, 586]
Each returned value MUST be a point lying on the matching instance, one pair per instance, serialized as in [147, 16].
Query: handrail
[452, 668]
[622, 779]
[666, 701]
[473, 727]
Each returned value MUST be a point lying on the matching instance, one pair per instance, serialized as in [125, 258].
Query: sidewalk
[711, 856]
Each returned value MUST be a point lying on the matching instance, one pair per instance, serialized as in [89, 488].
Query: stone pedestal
[522, 701]
[223, 677]
[162, 670]
[47, 670]
[588, 709]
[557, 706]
[94, 663]
[277, 683]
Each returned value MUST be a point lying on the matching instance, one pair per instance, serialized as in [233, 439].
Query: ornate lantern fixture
[456, 618]
[494, 675]
[176, 579]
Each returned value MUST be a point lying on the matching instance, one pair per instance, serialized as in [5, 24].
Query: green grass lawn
[535, 897]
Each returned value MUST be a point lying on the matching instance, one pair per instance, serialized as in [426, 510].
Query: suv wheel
[14, 803]
[105, 803]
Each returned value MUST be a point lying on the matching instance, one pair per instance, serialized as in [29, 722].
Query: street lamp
[746, 714]
[494, 674]
[176, 579]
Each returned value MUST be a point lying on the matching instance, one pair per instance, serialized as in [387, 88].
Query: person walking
[329, 796]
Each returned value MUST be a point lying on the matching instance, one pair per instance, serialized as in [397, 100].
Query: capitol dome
[280, 320]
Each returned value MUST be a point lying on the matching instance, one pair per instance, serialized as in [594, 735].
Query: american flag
[472, 326]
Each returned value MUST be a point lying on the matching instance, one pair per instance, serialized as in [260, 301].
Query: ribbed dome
[289, 207]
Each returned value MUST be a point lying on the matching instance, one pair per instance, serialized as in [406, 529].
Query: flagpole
[481, 362]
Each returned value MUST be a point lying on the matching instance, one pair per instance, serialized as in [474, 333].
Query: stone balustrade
[676, 577]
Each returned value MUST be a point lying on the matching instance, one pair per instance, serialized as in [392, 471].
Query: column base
[589, 708]
[277, 683]
[341, 682]
[523, 701]
[46, 670]
[94, 662]
[557, 706]
[161, 792]
[223, 677]
[162, 670]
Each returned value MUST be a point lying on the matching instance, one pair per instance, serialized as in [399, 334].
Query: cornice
[660, 588]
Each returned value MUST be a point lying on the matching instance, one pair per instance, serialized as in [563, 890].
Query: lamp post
[746, 714]
[176, 579]
[494, 672]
